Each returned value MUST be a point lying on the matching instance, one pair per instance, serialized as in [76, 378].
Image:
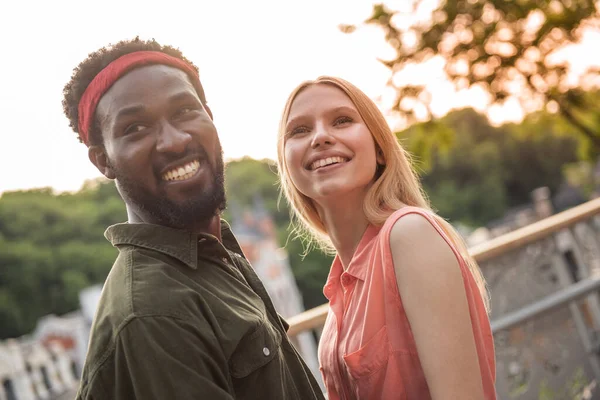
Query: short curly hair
[87, 70]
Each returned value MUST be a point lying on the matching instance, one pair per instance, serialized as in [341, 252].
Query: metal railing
[546, 305]
[552, 268]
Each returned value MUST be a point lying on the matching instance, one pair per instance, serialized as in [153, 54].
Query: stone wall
[547, 358]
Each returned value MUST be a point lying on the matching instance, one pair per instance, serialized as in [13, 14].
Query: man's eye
[134, 128]
[183, 111]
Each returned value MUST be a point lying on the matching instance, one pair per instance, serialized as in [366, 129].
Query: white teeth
[327, 161]
[183, 172]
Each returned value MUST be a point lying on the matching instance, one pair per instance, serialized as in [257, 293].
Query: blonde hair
[396, 185]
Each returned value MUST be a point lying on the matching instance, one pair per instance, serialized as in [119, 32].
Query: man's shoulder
[138, 284]
[142, 291]
[148, 282]
[109, 352]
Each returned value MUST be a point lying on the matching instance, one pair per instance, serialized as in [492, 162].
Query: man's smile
[182, 172]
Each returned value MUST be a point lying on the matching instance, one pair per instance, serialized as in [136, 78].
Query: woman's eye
[298, 130]
[134, 128]
[342, 120]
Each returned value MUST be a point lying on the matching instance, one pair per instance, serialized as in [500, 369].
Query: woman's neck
[345, 222]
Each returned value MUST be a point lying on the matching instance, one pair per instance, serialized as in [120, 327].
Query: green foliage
[52, 245]
[507, 48]
[311, 271]
[247, 178]
[574, 389]
[487, 170]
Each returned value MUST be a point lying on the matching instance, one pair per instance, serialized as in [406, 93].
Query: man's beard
[197, 210]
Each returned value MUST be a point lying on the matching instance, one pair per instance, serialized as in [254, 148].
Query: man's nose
[171, 139]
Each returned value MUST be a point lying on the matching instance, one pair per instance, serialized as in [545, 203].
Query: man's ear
[98, 157]
[209, 111]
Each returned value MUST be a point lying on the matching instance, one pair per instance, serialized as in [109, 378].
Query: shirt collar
[180, 244]
[357, 267]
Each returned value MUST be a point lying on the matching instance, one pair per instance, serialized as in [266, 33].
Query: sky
[251, 54]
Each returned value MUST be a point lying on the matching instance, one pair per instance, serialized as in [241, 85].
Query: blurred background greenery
[51, 244]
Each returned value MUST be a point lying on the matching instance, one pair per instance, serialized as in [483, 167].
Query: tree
[489, 169]
[507, 48]
[248, 177]
[52, 245]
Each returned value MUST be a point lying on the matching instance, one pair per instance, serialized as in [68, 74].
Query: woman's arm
[433, 294]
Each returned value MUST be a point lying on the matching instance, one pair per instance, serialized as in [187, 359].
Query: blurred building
[43, 365]
[255, 230]
[48, 363]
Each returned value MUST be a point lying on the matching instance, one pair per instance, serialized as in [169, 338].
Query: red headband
[115, 70]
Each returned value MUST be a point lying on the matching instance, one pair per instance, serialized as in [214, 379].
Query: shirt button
[346, 279]
[225, 260]
[266, 352]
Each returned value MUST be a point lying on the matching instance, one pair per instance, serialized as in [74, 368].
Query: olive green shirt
[184, 316]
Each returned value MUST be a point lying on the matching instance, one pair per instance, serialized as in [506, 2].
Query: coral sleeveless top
[367, 350]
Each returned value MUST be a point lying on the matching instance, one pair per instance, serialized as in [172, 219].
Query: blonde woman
[408, 315]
